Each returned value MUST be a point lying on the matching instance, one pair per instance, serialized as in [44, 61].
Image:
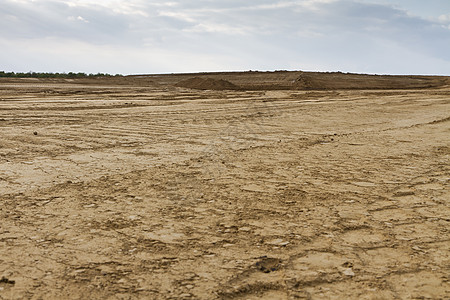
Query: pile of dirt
[339, 80]
[207, 84]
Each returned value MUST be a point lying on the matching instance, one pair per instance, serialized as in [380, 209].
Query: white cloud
[217, 28]
[80, 18]
[177, 15]
[116, 6]
[445, 19]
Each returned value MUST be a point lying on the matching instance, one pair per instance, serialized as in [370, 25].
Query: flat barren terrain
[256, 185]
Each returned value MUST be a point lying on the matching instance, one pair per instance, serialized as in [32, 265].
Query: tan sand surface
[291, 186]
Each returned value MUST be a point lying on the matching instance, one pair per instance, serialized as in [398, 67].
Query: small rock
[186, 295]
[245, 229]
[404, 193]
[268, 264]
[7, 280]
[35, 133]
[417, 248]
[348, 272]
[278, 242]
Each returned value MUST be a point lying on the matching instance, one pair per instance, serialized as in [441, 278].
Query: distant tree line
[52, 75]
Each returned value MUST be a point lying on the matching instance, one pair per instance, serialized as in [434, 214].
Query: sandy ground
[113, 191]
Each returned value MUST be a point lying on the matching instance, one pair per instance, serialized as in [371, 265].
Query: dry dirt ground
[135, 188]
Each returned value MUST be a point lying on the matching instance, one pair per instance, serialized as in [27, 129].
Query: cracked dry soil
[150, 191]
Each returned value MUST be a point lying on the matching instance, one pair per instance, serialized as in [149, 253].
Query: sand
[134, 188]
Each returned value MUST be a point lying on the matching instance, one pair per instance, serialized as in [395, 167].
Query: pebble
[278, 242]
[246, 229]
[348, 272]
[186, 295]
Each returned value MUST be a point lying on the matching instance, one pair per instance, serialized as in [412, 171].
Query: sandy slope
[134, 188]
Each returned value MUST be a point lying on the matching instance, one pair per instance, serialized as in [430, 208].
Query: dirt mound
[339, 80]
[297, 80]
[207, 84]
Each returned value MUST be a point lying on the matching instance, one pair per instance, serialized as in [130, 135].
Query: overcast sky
[138, 37]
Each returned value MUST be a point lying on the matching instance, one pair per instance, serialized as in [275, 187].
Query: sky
[156, 36]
